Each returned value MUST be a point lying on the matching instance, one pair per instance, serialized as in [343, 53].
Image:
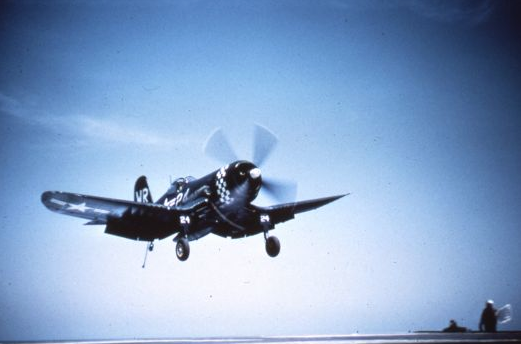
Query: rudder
[141, 191]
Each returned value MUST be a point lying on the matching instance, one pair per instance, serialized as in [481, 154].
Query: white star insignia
[78, 207]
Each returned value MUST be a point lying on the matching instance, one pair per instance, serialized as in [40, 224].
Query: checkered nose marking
[222, 189]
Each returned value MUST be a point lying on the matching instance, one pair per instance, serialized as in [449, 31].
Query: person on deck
[488, 322]
[453, 327]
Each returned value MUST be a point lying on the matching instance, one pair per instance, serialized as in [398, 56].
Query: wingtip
[340, 196]
[337, 197]
[46, 196]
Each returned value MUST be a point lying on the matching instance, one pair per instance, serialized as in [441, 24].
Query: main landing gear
[182, 249]
[272, 245]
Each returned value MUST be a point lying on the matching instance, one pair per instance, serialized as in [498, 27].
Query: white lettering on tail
[142, 195]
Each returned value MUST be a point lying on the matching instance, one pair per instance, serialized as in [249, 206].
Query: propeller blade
[280, 190]
[263, 144]
[218, 147]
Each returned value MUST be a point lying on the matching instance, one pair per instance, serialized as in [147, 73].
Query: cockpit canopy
[178, 184]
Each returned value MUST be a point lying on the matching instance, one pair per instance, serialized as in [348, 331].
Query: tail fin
[141, 191]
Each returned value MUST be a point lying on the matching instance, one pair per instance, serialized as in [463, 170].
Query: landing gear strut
[272, 245]
[182, 249]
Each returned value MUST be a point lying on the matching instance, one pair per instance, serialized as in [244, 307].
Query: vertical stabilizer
[141, 191]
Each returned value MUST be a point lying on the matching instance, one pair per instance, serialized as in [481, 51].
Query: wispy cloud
[452, 11]
[9, 106]
[85, 128]
[116, 131]
[471, 12]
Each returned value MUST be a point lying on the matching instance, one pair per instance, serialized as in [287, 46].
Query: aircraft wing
[96, 209]
[284, 212]
[133, 220]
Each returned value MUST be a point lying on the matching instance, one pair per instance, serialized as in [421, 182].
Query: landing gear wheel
[151, 246]
[272, 246]
[182, 249]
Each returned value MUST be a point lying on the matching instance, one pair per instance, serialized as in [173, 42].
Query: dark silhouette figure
[453, 327]
[488, 322]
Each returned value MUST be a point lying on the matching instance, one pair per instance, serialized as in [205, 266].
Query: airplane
[219, 203]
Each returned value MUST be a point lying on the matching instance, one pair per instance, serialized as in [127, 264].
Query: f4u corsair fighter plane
[218, 203]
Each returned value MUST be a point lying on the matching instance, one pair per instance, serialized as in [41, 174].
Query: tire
[182, 249]
[272, 246]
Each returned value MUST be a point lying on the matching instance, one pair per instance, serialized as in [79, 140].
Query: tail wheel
[272, 246]
[182, 249]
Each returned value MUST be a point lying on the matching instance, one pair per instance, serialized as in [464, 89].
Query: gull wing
[133, 220]
[96, 209]
[284, 212]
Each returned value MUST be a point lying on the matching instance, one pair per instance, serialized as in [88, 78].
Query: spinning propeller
[218, 147]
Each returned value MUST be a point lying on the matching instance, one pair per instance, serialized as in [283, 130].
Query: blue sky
[413, 107]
